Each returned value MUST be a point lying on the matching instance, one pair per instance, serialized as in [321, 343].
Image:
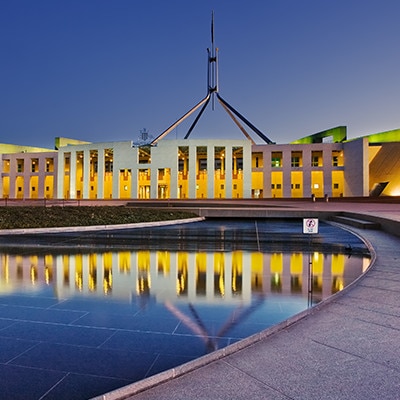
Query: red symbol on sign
[310, 223]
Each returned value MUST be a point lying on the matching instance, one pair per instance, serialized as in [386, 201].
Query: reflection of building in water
[194, 277]
[27, 271]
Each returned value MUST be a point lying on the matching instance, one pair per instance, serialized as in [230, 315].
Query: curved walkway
[347, 348]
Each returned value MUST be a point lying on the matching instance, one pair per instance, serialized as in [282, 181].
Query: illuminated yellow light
[221, 285]
[47, 275]
[33, 273]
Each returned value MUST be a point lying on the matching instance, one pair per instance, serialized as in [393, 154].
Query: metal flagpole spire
[212, 91]
[212, 65]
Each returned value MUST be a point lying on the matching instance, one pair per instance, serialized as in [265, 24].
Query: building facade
[323, 164]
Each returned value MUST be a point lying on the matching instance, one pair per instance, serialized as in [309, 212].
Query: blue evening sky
[102, 70]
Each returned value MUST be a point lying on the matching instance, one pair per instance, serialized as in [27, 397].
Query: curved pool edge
[162, 377]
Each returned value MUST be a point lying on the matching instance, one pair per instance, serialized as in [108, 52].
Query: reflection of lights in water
[208, 277]
[33, 274]
[221, 285]
[78, 281]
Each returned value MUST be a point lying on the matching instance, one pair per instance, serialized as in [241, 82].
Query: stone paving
[347, 348]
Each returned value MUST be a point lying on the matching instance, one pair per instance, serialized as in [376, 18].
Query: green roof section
[16, 148]
[337, 135]
[384, 137]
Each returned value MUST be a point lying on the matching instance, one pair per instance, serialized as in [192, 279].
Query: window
[337, 158]
[297, 186]
[49, 165]
[295, 161]
[276, 159]
[6, 165]
[257, 160]
[336, 186]
[20, 165]
[278, 186]
[108, 166]
[34, 165]
[316, 158]
[272, 186]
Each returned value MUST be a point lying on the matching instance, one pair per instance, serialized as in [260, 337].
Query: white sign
[310, 225]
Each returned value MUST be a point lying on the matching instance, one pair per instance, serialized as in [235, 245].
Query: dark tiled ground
[80, 348]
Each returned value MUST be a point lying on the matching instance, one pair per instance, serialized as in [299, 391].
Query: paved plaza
[346, 348]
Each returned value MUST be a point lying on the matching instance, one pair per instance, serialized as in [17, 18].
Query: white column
[42, 173]
[173, 181]
[27, 177]
[228, 172]
[86, 173]
[210, 172]
[307, 168]
[287, 176]
[115, 179]
[100, 173]
[135, 176]
[327, 170]
[13, 177]
[247, 171]
[153, 183]
[267, 174]
[60, 175]
[72, 175]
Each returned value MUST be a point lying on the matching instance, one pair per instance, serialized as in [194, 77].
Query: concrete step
[357, 223]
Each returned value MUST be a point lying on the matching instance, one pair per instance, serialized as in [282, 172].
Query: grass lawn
[43, 217]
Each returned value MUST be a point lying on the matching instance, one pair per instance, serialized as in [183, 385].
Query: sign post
[310, 227]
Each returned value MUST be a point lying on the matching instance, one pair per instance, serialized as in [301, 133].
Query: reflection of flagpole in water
[200, 329]
[243, 313]
[186, 320]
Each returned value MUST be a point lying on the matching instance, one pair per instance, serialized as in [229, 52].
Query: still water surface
[167, 295]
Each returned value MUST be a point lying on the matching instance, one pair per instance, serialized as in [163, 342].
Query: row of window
[34, 165]
[297, 159]
[237, 163]
[296, 186]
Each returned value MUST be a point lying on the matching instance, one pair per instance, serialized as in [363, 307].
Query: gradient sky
[103, 70]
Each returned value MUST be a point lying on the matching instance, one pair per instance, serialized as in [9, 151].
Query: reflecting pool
[103, 310]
